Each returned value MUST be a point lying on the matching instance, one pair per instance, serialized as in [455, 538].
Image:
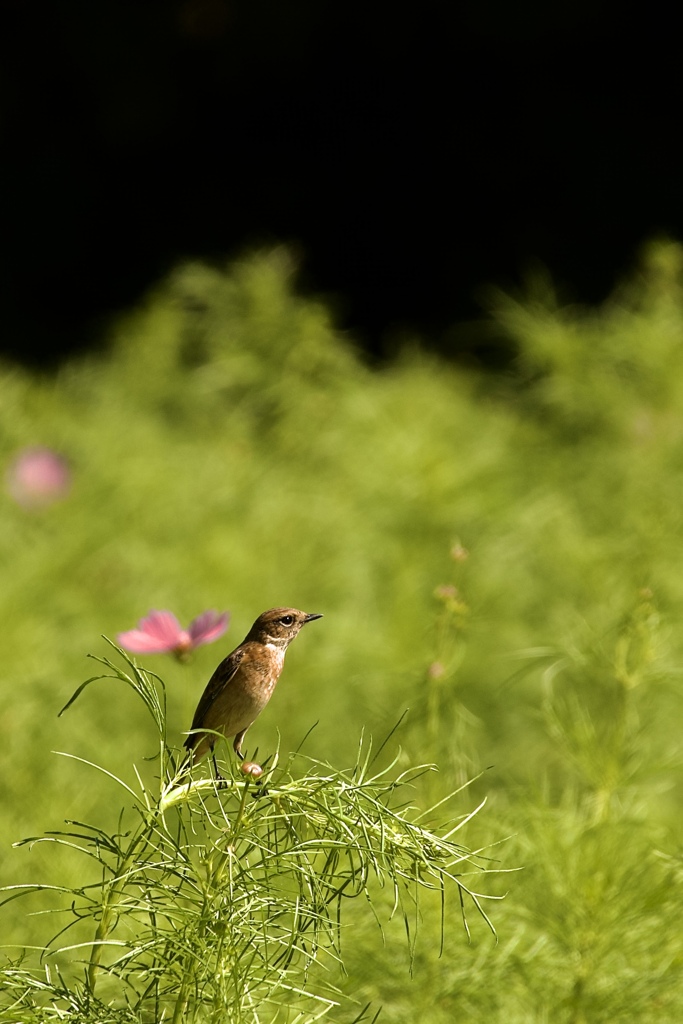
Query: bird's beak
[313, 615]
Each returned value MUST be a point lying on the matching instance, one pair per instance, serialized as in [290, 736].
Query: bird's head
[280, 625]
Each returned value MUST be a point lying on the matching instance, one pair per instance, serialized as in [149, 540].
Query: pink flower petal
[207, 627]
[162, 625]
[142, 643]
[158, 633]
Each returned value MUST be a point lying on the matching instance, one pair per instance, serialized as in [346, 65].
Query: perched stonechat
[244, 682]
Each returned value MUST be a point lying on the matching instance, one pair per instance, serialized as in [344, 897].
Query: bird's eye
[287, 620]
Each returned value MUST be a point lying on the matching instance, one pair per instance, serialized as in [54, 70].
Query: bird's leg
[237, 744]
[219, 778]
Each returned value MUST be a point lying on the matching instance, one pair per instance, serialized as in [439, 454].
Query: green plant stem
[182, 1000]
[613, 778]
[214, 874]
[111, 897]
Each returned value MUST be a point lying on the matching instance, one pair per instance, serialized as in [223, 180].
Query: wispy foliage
[221, 900]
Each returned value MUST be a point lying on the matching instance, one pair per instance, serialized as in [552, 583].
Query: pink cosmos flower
[37, 477]
[161, 633]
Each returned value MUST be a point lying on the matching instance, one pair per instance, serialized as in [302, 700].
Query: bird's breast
[261, 669]
[271, 666]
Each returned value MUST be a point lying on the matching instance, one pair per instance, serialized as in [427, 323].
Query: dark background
[411, 154]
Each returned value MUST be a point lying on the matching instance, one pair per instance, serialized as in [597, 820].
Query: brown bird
[244, 682]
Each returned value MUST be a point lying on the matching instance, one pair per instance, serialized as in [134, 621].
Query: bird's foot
[221, 781]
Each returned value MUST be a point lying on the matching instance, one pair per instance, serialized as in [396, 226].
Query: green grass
[231, 450]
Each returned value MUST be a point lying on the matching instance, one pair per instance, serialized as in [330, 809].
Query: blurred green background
[502, 555]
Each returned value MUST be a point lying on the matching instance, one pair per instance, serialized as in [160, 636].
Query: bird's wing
[216, 684]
